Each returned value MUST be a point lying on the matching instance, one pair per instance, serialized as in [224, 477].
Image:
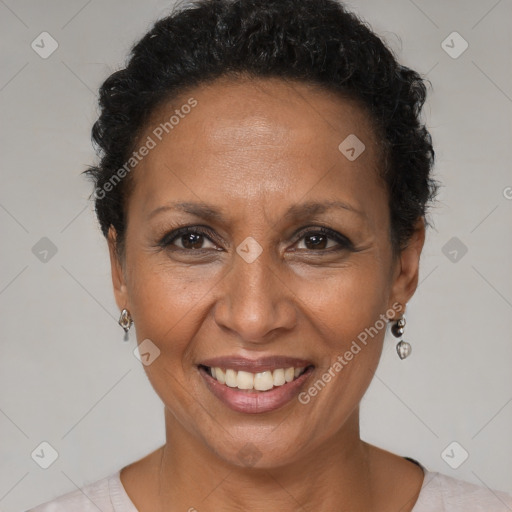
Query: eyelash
[343, 241]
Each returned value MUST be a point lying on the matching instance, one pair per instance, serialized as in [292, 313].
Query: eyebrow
[295, 211]
[311, 208]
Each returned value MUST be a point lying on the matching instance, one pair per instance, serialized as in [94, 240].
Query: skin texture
[252, 149]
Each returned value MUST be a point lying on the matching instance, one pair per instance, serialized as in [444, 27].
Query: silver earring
[397, 329]
[125, 321]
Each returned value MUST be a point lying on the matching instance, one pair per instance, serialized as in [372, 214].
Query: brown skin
[252, 149]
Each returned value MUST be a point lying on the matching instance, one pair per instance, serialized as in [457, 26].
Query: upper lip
[256, 365]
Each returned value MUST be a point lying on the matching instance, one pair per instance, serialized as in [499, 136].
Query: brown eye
[324, 238]
[315, 242]
[188, 239]
[192, 241]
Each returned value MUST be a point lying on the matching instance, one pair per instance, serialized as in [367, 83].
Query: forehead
[272, 139]
[247, 110]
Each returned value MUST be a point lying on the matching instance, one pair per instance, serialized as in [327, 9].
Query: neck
[335, 475]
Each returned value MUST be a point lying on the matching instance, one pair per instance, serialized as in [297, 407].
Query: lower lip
[254, 402]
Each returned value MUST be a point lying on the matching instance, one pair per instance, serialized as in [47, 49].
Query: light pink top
[439, 493]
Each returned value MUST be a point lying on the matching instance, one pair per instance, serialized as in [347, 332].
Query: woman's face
[255, 171]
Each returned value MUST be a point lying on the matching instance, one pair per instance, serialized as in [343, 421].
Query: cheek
[348, 311]
[161, 294]
[166, 312]
[346, 301]
[170, 301]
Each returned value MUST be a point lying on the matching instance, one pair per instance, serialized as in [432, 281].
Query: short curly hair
[313, 41]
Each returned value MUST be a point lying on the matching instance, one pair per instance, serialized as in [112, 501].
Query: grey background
[66, 376]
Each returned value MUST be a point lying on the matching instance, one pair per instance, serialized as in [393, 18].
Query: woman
[263, 188]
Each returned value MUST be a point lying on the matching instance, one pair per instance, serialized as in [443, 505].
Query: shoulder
[106, 494]
[442, 493]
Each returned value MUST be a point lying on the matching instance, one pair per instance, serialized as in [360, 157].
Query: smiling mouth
[255, 382]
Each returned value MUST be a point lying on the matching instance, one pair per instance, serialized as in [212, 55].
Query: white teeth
[260, 381]
[220, 375]
[263, 381]
[278, 376]
[245, 380]
[231, 378]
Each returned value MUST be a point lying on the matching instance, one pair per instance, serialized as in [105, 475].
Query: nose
[255, 300]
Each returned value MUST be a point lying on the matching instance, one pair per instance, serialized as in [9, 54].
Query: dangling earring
[125, 321]
[397, 329]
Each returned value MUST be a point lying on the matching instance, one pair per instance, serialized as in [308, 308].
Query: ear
[406, 273]
[118, 280]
